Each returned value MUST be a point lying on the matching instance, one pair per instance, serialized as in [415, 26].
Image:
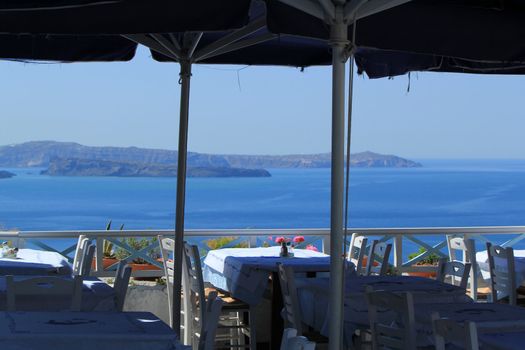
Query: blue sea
[441, 193]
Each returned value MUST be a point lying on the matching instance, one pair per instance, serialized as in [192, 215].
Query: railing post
[398, 251]
[326, 244]
[252, 241]
[99, 266]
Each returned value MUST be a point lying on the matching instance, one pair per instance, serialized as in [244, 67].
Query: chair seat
[229, 302]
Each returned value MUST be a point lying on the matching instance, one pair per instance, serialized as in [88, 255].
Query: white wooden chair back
[453, 272]
[194, 290]
[167, 249]
[44, 286]
[450, 331]
[121, 284]
[87, 260]
[502, 276]
[213, 313]
[291, 341]
[357, 252]
[82, 245]
[467, 248]
[377, 262]
[392, 334]
[292, 311]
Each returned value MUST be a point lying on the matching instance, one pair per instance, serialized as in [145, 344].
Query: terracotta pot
[423, 274]
[143, 267]
[365, 261]
[106, 262]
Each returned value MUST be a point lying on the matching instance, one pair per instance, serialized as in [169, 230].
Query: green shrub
[431, 259]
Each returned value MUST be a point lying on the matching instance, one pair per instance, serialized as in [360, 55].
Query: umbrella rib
[251, 28]
[352, 7]
[195, 41]
[309, 7]
[175, 41]
[150, 43]
[60, 7]
[167, 44]
[373, 7]
[328, 7]
[240, 45]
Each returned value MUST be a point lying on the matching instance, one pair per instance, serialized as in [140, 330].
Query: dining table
[35, 262]
[96, 296]
[481, 314]
[247, 273]
[85, 331]
[314, 302]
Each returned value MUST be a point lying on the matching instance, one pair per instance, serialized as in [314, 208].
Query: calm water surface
[442, 193]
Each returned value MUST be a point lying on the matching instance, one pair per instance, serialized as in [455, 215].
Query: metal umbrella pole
[185, 77]
[338, 42]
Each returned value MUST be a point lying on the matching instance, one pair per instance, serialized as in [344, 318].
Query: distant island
[73, 159]
[86, 167]
[6, 174]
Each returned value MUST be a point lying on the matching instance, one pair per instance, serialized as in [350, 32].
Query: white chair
[87, 260]
[44, 286]
[454, 271]
[357, 252]
[467, 248]
[167, 251]
[82, 245]
[233, 309]
[291, 341]
[450, 331]
[121, 284]
[398, 333]
[291, 311]
[465, 335]
[213, 313]
[502, 276]
[377, 262]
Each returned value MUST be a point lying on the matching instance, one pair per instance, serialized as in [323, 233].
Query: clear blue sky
[260, 110]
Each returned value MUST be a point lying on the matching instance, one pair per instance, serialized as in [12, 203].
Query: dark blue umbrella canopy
[120, 16]
[383, 63]
[486, 36]
[66, 48]
[481, 30]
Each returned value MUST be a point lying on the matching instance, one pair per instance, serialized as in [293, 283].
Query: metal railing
[142, 245]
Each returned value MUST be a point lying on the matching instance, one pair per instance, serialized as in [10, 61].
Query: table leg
[277, 324]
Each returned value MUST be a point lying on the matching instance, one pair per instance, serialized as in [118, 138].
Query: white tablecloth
[96, 296]
[313, 298]
[244, 272]
[35, 262]
[85, 331]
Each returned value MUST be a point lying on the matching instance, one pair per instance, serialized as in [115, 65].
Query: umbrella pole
[338, 42]
[185, 76]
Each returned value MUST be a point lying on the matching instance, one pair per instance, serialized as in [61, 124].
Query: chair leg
[253, 326]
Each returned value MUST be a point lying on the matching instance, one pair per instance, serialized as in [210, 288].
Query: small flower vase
[291, 249]
[284, 250]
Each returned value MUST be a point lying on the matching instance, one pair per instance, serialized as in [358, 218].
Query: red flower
[280, 240]
[311, 247]
[298, 239]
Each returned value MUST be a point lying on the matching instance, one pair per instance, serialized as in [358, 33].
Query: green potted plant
[108, 253]
[430, 260]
